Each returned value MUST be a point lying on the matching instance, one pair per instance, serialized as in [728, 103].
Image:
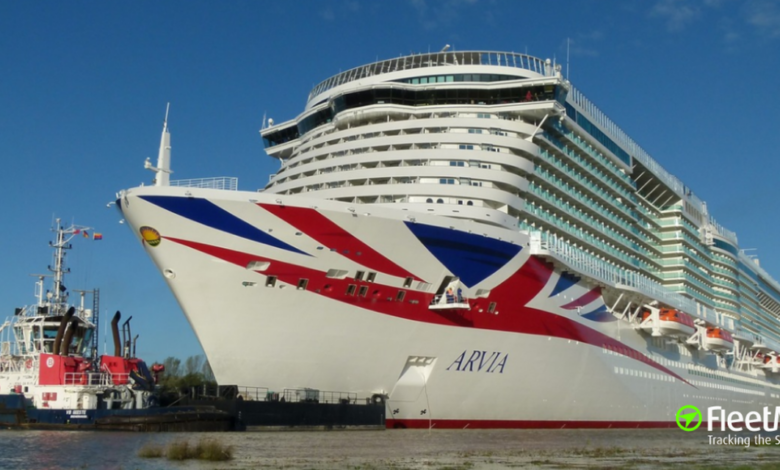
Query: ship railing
[256, 394]
[226, 183]
[117, 378]
[448, 302]
[544, 243]
[543, 67]
[87, 378]
[310, 395]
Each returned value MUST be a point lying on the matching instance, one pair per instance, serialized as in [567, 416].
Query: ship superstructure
[451, 231]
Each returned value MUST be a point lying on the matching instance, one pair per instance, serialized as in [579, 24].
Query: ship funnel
[126, 337]
[69, 336]
[58, 339]
[115, 332]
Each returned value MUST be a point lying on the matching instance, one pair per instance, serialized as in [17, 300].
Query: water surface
[393, 449]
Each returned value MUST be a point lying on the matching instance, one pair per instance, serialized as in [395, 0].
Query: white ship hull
[533, 348]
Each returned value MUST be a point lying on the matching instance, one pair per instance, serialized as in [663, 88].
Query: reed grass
[205, 449]
[151, 451]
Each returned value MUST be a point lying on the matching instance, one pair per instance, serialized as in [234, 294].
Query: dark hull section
[15, 414]
[270, 415]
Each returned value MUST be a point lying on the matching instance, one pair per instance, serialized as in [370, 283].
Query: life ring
[28, 363]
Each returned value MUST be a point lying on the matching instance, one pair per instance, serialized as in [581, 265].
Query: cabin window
[399, 297]
[359, 275]
[492, 307]
[302, 283]
[408, 282]
[363, 291]
[270, 281]
[351, 289]
[371, 276]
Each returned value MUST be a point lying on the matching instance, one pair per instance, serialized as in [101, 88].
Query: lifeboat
[771, 363]
[717, 339]
[670, 323]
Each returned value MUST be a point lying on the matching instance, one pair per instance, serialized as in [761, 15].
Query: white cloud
[764, 16]
[677, 13]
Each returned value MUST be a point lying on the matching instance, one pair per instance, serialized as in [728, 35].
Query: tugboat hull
[14, 414]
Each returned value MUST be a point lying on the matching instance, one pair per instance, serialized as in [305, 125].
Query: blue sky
[83, 89]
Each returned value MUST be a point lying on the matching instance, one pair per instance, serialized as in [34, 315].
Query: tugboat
[51, 376]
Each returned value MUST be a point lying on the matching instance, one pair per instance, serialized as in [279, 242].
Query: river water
[393, 449]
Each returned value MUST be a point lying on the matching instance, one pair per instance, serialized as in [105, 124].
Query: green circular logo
[686, 416]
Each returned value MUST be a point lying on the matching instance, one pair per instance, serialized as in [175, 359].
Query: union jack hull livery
[485, 262]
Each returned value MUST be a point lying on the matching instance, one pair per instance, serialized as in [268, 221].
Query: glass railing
[222, 182]
[576, 176]
[556, 183]
[578, 235]
[550, 244]
[584, 146]
[437, 59]
[725, 284]
[587, 167]
[586, 219]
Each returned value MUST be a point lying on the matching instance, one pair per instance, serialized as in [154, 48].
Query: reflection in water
[397, 449]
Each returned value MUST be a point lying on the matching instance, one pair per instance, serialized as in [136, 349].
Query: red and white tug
[51, 375]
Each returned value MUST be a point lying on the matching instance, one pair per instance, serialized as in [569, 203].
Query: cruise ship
[464, 237]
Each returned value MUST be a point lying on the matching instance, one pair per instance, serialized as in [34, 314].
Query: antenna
[163, 169]
[568, 42]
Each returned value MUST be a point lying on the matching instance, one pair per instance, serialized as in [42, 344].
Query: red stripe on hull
[584, 300]
[521, 424]
[511, 298]
[332, 236]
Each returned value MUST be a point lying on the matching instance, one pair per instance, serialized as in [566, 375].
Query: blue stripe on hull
[470, 257]
[207, 213]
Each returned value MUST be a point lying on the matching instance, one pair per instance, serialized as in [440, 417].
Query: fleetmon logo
[688, 418]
